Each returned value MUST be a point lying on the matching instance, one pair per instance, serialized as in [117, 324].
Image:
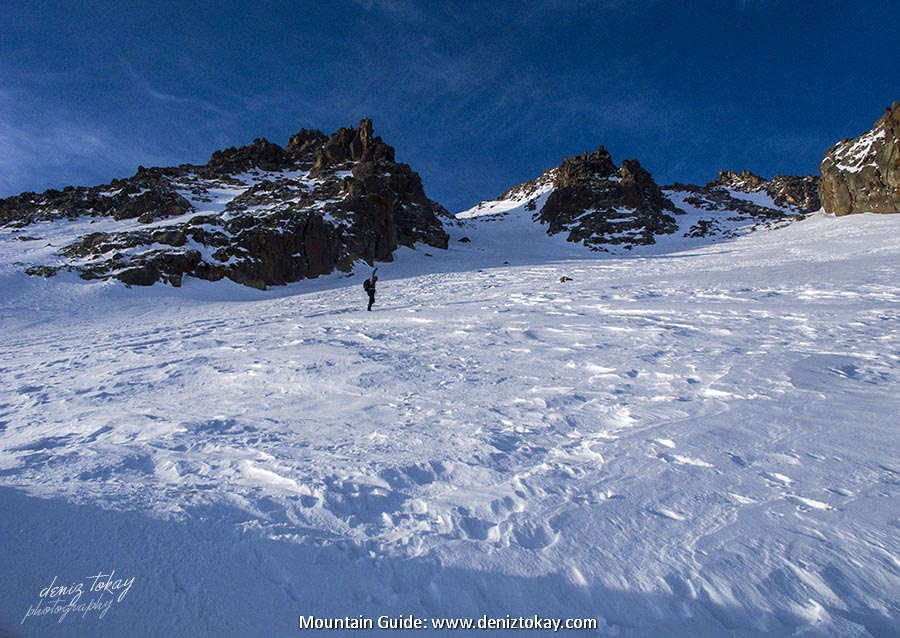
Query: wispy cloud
[404, 9]
[142, 84]
[42, 143]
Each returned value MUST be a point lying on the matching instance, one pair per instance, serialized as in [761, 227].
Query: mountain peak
[258, 214]
[352, 145]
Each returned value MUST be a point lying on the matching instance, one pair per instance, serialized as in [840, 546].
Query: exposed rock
[597, 203]
[157, 203]
[735, 207]
[261, 154]
[531, 190]
[322, 204]
[305, 143]
[145, 275]
[743, 181]
[795, 191]
[591, 200]
[42, 271]
[863, 174]
[352, 145]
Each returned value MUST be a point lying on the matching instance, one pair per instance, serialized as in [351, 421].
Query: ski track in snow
[689, 443]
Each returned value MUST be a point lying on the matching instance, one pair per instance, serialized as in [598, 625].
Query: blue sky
[476, 96]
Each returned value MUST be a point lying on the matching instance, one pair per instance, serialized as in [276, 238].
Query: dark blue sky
[476, 96]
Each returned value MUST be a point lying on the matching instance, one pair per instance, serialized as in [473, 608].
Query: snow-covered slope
[691, 442]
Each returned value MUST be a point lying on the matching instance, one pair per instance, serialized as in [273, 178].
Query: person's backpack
[367, 285]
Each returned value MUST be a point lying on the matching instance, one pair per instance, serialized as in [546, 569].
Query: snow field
[694, 443]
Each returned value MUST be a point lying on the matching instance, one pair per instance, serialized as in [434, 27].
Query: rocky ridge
[592, 201]
[259, 215]
[263, 214]
[737, 203]
[787, 191]
[863, 174]
[606, 207]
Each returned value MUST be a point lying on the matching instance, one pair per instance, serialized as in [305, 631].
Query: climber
[369, 287]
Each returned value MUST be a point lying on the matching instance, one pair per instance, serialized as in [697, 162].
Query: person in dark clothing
[369, 286]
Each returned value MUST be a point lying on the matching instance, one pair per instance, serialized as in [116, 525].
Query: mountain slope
[699, 443]
[258, 215]
[587, 201]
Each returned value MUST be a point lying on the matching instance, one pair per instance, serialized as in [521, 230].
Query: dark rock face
[153, 204]
[304, 144]
[796, 191]
[732, 213]
[743, 181]
[597, 203]
[352, 145]
[863, 174]
[261, 154]
[790, 191]
[334, 200]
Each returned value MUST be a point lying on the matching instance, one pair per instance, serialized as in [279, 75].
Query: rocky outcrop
[591, 201]
[157, 203]
[268, 215]
[303, 145]
[744, 181]
[261, 154]
[352, 145]
[800, 192]
[795, 191]
[141, 197]
[737, 203]
[862, 174]
[530, 191]
[597, 203]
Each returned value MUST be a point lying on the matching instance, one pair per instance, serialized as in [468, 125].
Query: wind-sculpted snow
[693, 443]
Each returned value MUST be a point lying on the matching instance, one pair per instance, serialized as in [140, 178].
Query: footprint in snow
[534, 536]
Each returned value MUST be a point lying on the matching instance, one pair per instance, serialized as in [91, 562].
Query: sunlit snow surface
[694, 440]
